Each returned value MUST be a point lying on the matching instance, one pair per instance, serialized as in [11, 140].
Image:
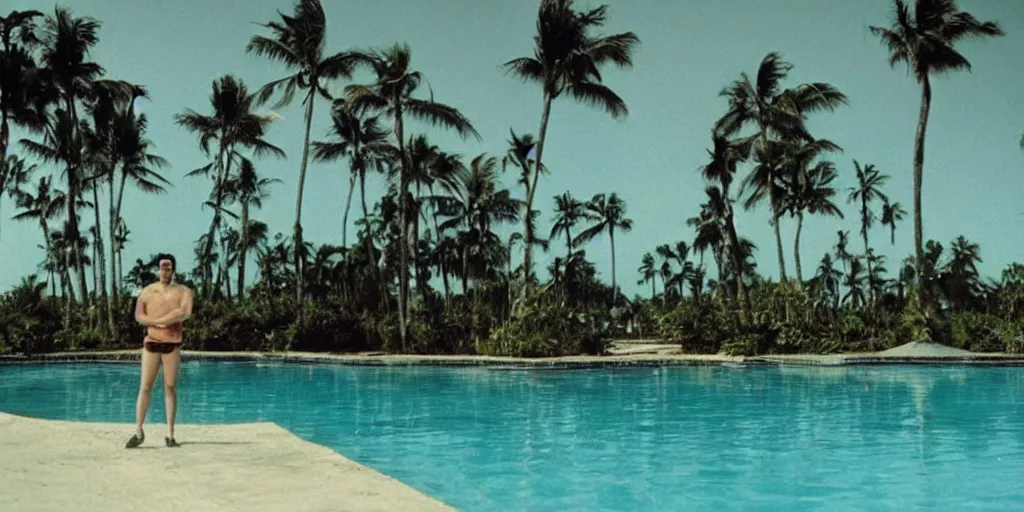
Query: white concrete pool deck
[61, 465]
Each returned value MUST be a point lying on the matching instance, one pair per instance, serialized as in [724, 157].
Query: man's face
[166, 270]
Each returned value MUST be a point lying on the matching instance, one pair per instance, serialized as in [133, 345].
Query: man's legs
[171, 363]
[150, 364]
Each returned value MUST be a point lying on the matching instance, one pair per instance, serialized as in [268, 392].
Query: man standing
[161, 308]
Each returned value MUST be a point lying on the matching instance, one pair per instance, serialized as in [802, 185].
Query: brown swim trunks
[160, 348]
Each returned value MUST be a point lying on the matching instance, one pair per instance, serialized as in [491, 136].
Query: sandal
[136, 440]
[171, 443]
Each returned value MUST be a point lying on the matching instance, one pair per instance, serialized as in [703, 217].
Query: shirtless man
[161, 308]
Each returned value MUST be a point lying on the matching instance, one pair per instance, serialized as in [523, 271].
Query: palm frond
[442, 115]
[599, 95]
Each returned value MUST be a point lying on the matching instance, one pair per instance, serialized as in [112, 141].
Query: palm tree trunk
[344, 217]
[528, 219]
[117, 221]
[615, 291]
[867, 259]
[403, 227]
[77, 261]
[220, 183]
[778, 247]
[114, 293]
[5, 134]
[299, 263]
[374, 270]
[741, 291]
[243, 251]
[796, 248]
[99, 263]
[922, 126]
[441, 267]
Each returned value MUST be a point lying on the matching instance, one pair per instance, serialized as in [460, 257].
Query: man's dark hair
[165, 256]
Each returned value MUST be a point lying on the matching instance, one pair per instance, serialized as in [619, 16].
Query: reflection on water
[704, 438]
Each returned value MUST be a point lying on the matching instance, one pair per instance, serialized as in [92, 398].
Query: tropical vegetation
[427, 270]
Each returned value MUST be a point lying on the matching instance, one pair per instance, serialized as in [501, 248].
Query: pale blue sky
[974, 168]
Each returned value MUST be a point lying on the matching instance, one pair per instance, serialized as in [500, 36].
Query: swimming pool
[689, 438]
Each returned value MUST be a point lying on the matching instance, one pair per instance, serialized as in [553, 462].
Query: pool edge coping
[255, 429]
[566, 362]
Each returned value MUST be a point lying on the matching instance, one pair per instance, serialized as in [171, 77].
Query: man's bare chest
[163, 300]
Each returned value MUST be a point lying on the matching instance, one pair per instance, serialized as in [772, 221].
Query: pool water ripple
[699, 438]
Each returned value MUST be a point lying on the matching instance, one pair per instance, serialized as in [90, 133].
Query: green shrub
[544, 327]
[699, 328]
[1012, 336]
[977, 332]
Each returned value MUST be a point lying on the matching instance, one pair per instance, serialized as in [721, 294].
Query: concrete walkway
[61, 465]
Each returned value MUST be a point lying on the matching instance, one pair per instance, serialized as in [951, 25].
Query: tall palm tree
[138, 165]
[67, 41]
[105, 100]
[362, 141]
[721, 171]
[297, 42]
[777, 115]
[62, 144]
[249, 190]
[607, 212]
[567, 58]
[520, 149]
[868, 190]
[232, 125]
[891, 214]
[391, 93]
[926, 42]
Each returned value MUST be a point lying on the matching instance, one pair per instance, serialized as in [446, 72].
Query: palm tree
[829, 276]
[811, 191]
[24, 94]
[854, 283]
[648, 272]
[249, 190]
[392, 94]
[925, 41]
[67, 41]
[232, 125]
[777, 115]
[568, 213]
[721, 171]
[62, 144]
[132, 150]
[608, 214]
[42, 205]
[891, 214]
[868, 189]
[106, 99]
[519, 153]
[14, 172]
[567, 58]
[298, 43]
[363, 142]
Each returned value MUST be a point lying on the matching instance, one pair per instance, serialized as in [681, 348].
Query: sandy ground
[61, 466]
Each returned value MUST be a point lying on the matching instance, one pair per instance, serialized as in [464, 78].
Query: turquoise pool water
[892, 438]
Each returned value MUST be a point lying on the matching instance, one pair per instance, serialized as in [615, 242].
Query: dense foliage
[427, 271]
